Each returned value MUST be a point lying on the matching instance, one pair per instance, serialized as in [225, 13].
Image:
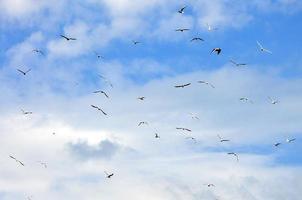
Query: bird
[222, 140]
[209, 185]
[157, 136]
[273, 101]
[101, 91]
[98, 55]
[238, 64]
[182, 29]
[26, 112]
[182, 86]
[196, 39]
[182, 10]
[141, 98]
[98, 109]
[193, 116]
[184, 129]
[135, 42]
[38, 51]
[234, 154]
[108, 175]
[277, 144]
[68, 38]
[262, 49]
[24, 72]
[290, 140]
[210, 28]
[245, 99]
[42, 163]
[18, 161]
[142, 123]
[53, 133]
[191, 138]
[106, 80]
[207, 83]
[216, 50]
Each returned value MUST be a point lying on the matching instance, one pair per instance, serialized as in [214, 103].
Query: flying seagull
[98, 55]
[141, 98]
[216, 50]
[182, 86]
[234, 154]
[184, 129]
[222, 140]
[42, 163]
[245, 99]
[238, 64]
[24, 72]
[262, 49]
[182, 10]
[191, 138]
[18, 161]
[157, 136]
[26, 112]
[210, 28]
[277, 144]
[193, 116]
[207, 83]
[210, 185]
[290, 140]
[196, 39]
[68, 38]
[38, 51]
[135, 42]
[108, 175]
[106, 80]
[273, 101]
[99, 109]
[101, 91]
[182, 29]
[142, 123]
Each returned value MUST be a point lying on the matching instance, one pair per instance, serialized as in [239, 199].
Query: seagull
[98, 109]
[207, 83]
[38, 51]
[18, 161]
[210, 28]
[238, 64]
[262, 49]
[192, 138]
[135, 42]
[108, 175]
[245, 99]
[277, 144]
[184, 129]
[182, 29]
[182, 86]
[53, 133]
[26, 112]
[234, 154]
[24, 72]
[67, 38]
[290, 140]
[182, 10]
[106, 80]
[141, 98]
[142, 123]
[42, 163]
[193, 116]
[197, 39]
[157, 136]
[273, 101]
[101, 91]
[98, 55]
[216, 50]
[222, 140]
[210, 185]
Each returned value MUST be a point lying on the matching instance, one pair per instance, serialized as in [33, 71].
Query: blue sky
[59, 91]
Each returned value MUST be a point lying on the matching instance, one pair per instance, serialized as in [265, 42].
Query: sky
[79, 144]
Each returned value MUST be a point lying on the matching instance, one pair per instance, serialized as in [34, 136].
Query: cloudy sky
[79, 143]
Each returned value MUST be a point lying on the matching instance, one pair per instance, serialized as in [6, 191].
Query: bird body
[290, 140]
[26, 112]
[67, 38]
[157, 136]
[184, 129]
[217, 50]
[197, 39]
[182, 29]
[273, 101]
[141, 98]
[222, 140]
[182, 86]
[181, 11]
[142, 123]
[109, 175]
[38, 51]
[277, 144]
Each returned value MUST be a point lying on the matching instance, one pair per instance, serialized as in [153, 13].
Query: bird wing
[28, 71]
[72, 38]
[268, 51]
[261, 47]
[63, 36]
[105, 94]
[21, 71]
[102, 111]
